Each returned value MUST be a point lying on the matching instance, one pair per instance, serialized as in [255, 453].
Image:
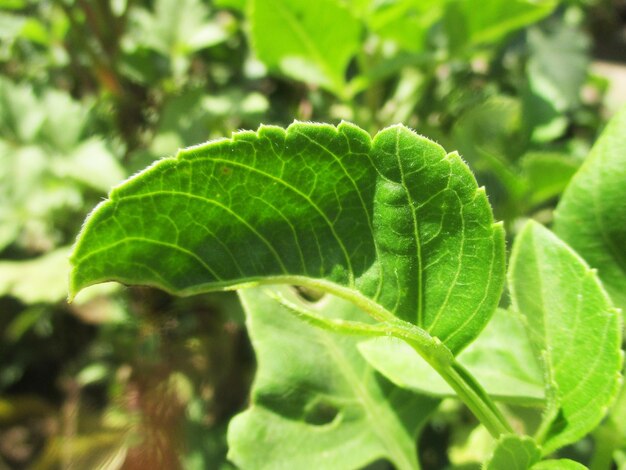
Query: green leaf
[308, 41]
[513, 452]
[558, 63]
[176, 28]
[315, 402]
[92, 164]
[590, 216]
[547, 175]
[574, 331]
[560, 464]
[20, 115]
[42, 279]
[393, 224]
[474, 22]
[556, 71]
[405, 21]
[501, 359]
[65, 120]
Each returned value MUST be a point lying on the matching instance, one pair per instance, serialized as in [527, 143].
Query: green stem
[431, 349]
[474, 396]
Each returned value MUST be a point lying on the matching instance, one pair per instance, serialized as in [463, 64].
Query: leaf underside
[315, 402]
[393, 222]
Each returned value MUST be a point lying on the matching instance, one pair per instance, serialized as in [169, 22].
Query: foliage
[94, 91]
[426, 265]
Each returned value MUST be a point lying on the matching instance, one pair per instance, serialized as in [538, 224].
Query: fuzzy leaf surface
[315, 402]
[591, 215]
[393, 224]
[573, 328]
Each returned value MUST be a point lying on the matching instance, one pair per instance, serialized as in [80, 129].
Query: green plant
[397, 231]
[93, 91]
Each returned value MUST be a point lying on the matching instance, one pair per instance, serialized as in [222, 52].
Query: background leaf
[309, 41]
[393, 221]
[473, 22]
[556, 70]
[547, 174]
[407, 22]
[315, 401]
[591, 215]
[574, 330]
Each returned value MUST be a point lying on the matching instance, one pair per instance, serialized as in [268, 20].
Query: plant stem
[473, 395]
[431, 349]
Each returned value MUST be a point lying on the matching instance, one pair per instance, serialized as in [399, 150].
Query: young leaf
[513, 452]
[309, 41]
[315, 402]
[501, 359]
[393, 224]
[573, 329]
[591, 213]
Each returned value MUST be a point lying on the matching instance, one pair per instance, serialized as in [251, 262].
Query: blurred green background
[92, 91]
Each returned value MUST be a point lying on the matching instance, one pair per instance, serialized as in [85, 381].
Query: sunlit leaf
[556, 71]
[592, 212]
[474, 22]
[176, 28]
[406, 21]
[574, 330]
[309, 41]
[43, 279]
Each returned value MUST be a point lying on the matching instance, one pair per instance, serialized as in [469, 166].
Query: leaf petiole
[430, 348]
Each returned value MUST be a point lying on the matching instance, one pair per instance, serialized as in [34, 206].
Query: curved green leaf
[393, 224]
[309, 41]
[315, 402]
[591, 216]
[513, 452]
[501, 359]
[573, 329]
